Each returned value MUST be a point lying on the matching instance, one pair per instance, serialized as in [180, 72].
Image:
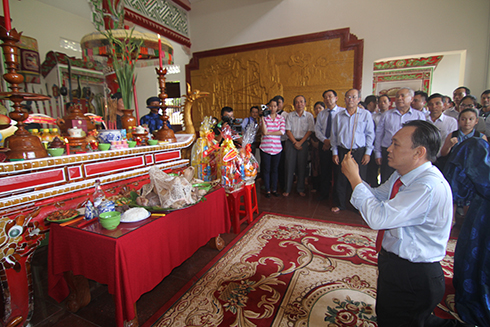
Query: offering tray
[132, 201]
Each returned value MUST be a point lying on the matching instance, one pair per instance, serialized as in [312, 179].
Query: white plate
[135, 221]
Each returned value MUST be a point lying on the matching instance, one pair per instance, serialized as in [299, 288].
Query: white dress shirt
[417, 220]
[300, 125]
[451, 112]
[445, 124]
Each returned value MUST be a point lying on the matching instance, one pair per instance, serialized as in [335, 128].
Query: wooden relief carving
[252, 74]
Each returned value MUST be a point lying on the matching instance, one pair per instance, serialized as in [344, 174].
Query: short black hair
[370, 98]
[251, 108]
[298, 96]
[152, 99]
[277, 98]
[422, 94]
[384, 95]
[321, 103]
[334, 93]
[226, 109]
[472, 97]
[436, 95]
[485, 92]
[426, 135]
[466, 90]
[468, 110]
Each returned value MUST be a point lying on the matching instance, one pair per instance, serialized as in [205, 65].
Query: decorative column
[165, 133]
[22, 144]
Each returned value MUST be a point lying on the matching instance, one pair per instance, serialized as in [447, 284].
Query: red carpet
[285, 271]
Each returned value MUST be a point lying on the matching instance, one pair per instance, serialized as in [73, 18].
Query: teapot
[75, 118]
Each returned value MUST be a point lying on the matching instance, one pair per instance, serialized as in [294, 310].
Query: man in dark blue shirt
[153, 120]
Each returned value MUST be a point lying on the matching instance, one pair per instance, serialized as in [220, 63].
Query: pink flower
[346, 318]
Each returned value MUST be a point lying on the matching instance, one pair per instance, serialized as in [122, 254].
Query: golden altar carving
[248, 75]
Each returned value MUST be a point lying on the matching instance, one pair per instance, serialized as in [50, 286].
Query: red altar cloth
[132, 261]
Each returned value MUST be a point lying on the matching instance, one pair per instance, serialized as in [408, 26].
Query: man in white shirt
[414, 208]
[299, 125]
[419, 101]
[445, 124]
[458, 95]
[323, 128]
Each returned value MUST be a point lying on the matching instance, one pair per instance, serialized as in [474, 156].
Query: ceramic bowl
[56, 152]
[152, 142]
[110, 220]
[104, 146]
[109, 135]
[131, 144]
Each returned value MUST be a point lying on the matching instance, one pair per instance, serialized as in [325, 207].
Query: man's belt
[353, 150]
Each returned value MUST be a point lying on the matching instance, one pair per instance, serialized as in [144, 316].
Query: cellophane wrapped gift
[231, 168]
[204, 152]
[172, 191]
[250, 163]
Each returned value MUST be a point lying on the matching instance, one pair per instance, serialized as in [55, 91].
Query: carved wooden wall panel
[252, 74]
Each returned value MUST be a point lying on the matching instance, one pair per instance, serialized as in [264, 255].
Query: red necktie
[381, 232]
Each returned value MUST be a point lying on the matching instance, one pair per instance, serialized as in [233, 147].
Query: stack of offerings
[250, 164]
[232, 171]
[204, 152]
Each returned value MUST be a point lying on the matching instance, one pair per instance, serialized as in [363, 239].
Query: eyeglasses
[351, 97]
[467, 105]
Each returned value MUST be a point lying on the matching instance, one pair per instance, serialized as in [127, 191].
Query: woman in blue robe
[468, 173]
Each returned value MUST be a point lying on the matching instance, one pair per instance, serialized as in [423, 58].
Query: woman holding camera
[272, 127]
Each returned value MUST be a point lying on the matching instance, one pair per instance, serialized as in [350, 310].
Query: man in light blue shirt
[253, 119]
[389, 124]
[416, 219]
[352, 129]
[323, 129]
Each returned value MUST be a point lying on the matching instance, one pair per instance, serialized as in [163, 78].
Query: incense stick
[354, 129]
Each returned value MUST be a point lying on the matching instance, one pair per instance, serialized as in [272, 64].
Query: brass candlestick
[22, 144]
[164, 133]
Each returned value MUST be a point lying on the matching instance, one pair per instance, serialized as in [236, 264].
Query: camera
[265, 112]
[229, 120]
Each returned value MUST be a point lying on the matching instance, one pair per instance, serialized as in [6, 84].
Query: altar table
[135, 257]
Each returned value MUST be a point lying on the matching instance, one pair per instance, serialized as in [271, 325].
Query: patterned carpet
[286, 271]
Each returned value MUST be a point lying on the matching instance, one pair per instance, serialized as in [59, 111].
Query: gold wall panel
[241, 79]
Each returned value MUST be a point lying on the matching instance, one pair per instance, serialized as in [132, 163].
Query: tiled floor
[100, 311]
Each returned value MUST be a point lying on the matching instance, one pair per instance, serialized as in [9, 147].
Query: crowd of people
[314, 145]
[389, 163]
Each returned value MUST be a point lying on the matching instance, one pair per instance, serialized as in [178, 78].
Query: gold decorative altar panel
[244, 76]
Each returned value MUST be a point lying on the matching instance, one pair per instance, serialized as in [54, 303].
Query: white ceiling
[76, 7]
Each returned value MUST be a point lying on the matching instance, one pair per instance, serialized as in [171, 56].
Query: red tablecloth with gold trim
[136, 261]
